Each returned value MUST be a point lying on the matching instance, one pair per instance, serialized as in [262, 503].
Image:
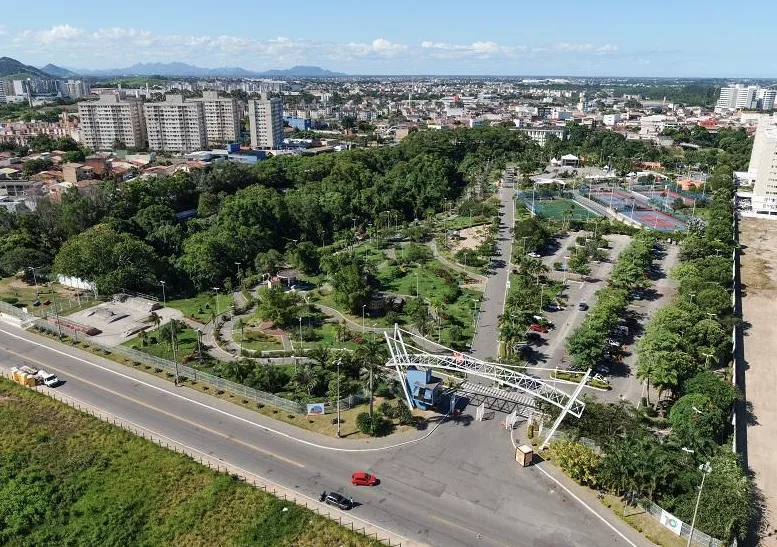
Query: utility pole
[338, 398]
[705, 469]
[218, 310]
[164, 295]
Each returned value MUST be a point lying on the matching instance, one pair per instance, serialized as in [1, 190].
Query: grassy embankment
[69, 479]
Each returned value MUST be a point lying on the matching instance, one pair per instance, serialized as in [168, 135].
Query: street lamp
[218, 310]
[417, 291]
[34, 278]
[338, 398]
[239, 273]
[300, 331]
[164, 295]
[566, 267]
[364, 306]
[706, 469]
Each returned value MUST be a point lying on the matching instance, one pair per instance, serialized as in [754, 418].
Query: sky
[691, 38]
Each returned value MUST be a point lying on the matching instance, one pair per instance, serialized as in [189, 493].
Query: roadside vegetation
[70, 479]
[654, 451]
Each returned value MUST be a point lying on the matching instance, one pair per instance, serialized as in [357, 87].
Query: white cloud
[56, 34]
[113, 46]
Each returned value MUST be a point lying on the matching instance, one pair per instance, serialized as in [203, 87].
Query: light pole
[417, 291]
[542, 292]
[364, 306]
[239, 274]
[164, 295]
[691, 296]
[338, 398]
[566, 267]
[199, 345]
[706, 469]
[524, 244]
[218, 309]
[300, 331]
[34, 278]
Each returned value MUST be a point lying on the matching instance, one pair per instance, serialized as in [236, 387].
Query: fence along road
[416, 498]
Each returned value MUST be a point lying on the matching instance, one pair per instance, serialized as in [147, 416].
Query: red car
[363, 479]
[536, 327]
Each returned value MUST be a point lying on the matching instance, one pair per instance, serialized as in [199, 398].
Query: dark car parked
[338, 500]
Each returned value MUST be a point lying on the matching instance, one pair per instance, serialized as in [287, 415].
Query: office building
[737, 97]
[222, 118]
[763, 165]
[112, 120]
[265, 117]
[175, 125]
[77, 89]
[766, 98]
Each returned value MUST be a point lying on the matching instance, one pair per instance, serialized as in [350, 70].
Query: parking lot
[550, 351]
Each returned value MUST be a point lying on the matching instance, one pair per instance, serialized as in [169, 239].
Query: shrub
[386, 409]
[578, 461]
[364, 423]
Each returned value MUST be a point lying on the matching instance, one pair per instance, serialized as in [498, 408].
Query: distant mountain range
[12, 68]
[58, 71]
[178, 69]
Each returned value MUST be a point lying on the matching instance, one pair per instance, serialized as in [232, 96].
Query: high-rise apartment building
[737, 97]
[222, 118]
[112, 119]
[766, 98]
[265, 117]
[76, 89]
[175, 125]
[763, 164]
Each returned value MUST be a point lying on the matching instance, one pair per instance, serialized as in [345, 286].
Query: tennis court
[560, 208]
[656, 220]
[666, 196]
[614, 199]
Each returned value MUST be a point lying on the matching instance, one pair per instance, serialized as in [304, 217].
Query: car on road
[363, 479]
[602, 368]
[536, 327]
[535, 255]
[555, 306]
[582, 306]
[48, 379]
[338, 500]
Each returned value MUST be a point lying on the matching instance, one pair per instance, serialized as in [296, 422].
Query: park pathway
[486, 340]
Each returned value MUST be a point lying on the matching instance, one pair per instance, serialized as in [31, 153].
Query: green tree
[578, 461]
[269, 262]
[277, 305]
[697, 422]
[112, 260]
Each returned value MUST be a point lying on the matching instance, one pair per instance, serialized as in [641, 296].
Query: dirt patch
[758, 262]
[470, 238]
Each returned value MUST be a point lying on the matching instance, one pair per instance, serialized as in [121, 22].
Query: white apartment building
[763, 165]
[540, 134]
[766, 98]
[265, 117]
[222, 118]
[76, 89]
[175, 125]
[737, 97]
[110, 119]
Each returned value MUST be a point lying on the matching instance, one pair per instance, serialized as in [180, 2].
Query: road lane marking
[223, 412]
[245, 472]
[157, 409]
[476, 535]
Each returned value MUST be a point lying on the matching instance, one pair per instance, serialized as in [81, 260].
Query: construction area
[758, 267]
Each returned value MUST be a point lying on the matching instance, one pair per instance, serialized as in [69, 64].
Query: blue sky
[563, 37]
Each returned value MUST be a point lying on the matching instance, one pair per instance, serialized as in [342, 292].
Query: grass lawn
[558, 208]
[257, 341]
[326, 335]
[70, 479]
[187, 345]
[25, 294]
[459, 222]
[200, 307]
[428, 284]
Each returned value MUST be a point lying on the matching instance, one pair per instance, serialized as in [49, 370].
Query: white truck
[29, 376]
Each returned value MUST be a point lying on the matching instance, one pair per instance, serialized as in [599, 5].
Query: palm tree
[370, 354]
[156, 320]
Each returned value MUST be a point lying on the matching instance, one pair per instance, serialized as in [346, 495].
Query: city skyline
[402, 38]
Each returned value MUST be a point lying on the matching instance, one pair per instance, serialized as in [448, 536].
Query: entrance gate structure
[403, 354]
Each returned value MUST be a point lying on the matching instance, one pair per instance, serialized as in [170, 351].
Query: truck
[31, 377]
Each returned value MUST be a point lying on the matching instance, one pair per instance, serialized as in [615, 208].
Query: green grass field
[70, 479]
[200, 307]
[19, 293]
[559, 208]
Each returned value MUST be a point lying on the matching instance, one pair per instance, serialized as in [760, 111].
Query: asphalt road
[486, 341]
[459, 487]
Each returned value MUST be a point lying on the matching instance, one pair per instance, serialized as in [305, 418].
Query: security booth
[524, 455]
[424, 388]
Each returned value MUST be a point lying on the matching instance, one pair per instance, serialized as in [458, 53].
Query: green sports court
[560, 208]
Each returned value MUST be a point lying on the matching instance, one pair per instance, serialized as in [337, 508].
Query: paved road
[459, 487]
[486, 341]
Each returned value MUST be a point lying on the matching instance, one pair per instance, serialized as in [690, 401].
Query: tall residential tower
[266, 119]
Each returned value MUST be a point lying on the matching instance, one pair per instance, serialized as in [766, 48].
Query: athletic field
[561, 208]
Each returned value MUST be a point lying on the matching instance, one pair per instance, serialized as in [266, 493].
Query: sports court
[560, 208]
[615, 199]
[655, 220]
[666, 196]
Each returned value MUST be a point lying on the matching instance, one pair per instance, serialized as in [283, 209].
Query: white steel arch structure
[404, 354]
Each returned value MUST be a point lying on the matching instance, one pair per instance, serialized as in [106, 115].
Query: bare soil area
[470, 238]
[759, 279]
